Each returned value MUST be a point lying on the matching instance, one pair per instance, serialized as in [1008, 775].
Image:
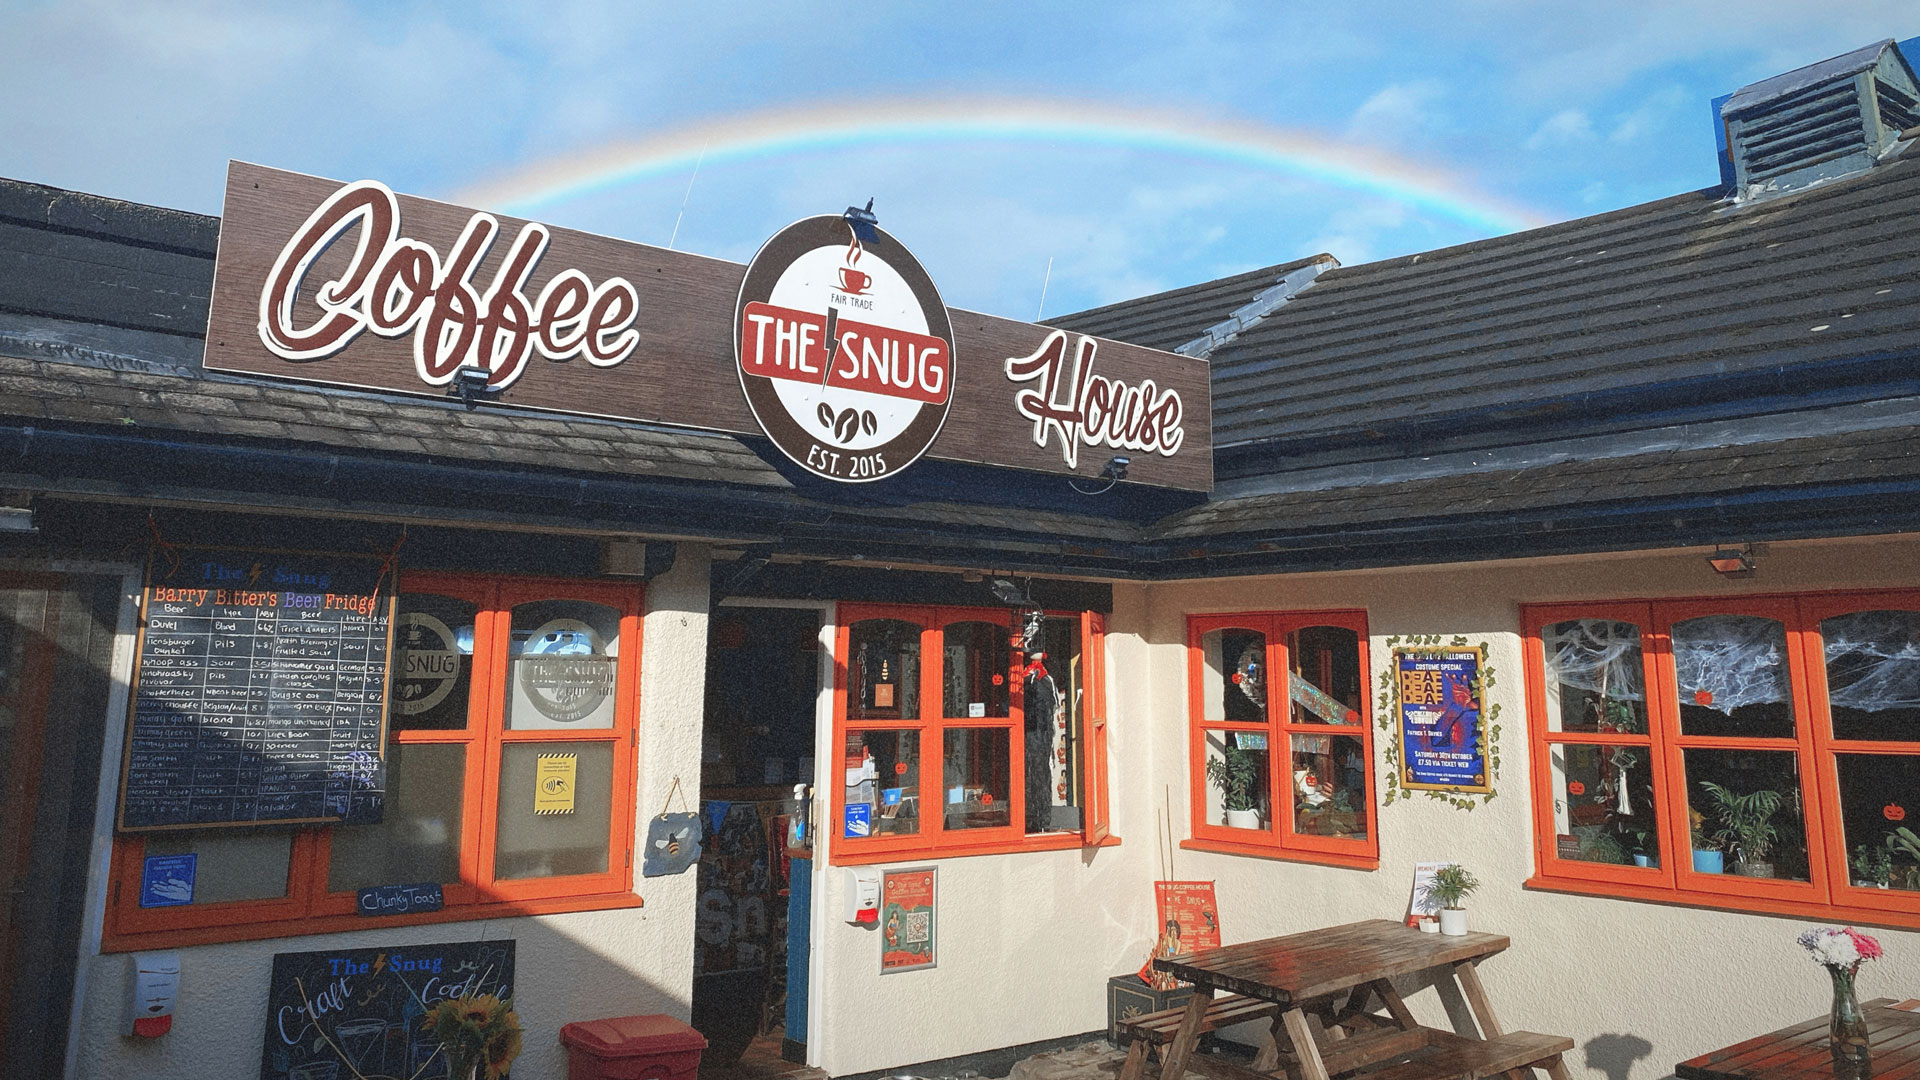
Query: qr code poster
[907, 925]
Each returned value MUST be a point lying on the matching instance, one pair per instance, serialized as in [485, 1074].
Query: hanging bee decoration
[673, 844]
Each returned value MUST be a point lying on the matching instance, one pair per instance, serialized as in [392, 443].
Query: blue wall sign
[859, 819]
[167, 880]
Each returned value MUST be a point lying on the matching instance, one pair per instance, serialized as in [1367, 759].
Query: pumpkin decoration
[1894, 812]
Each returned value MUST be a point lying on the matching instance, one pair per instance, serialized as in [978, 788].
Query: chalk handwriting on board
[261, 690]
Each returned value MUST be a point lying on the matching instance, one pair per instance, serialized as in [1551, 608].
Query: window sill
[1267, 851]
[1062, 842]
[326, 924]
[1799, 909]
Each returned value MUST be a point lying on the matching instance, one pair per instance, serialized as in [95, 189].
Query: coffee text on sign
[1092, 409]
[395, 286]
[783, 343]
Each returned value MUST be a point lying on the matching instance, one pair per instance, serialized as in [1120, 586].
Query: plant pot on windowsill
[1243, 819]
[1753, 869]
[1453, 921]
[1706, 861]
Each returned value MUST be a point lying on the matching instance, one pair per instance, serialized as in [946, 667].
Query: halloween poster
[1441, 748]
[906, 920]
[1189, 921]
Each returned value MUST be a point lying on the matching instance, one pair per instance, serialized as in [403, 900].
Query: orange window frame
[309, 907]
[1829, 893]
[1278, 838]
[934, 840]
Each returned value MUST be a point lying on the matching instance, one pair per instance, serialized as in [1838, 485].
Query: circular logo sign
[845, 353]
[565, 672]
[429, 663]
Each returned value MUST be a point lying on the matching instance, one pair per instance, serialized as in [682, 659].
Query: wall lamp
[1115, 471]
[470, 385]
[1732, 562]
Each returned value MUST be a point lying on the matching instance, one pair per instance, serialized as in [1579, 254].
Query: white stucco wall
[1026, 941]
[1638, 986]
[567, 967]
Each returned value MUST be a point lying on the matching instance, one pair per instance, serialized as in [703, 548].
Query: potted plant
[1451, 884]
[1872, 867]
[1746, 825]
[1707, 857]
[1901, 842]
[1235, 775]
[1644, 846]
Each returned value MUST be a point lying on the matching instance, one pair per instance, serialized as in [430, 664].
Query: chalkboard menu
[342, 1013]
[261, 690]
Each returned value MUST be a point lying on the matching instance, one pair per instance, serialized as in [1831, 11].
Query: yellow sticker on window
[553, 776]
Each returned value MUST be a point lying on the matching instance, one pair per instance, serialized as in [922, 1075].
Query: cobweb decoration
[1873, 660]
[1727, 661]
[1597, 655]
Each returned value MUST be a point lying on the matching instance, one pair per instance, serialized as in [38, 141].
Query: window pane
[884, 672]
[1876, 793]
[883, 783]
[1746, 804]
[564, 657]
[1237, 772]
[1325, 683]
[974, 771]
[536, 844]
[1053, 749]
[978, 655]
[1234, 687]
[1596, 680]
[1603, 806]
[432, 669]
[418, 838]
[1733, 676]
[1330, 786]
[1873, 675]
[231, 865]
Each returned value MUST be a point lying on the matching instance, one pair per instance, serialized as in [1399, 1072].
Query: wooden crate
[1128, 997]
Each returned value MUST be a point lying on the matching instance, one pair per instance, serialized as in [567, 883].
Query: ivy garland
[1389, 713]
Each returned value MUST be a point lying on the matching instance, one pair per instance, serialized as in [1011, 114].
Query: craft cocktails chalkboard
[337, 1014]
[260, 694]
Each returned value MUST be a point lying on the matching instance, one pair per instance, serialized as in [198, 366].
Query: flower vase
[1848, 1027]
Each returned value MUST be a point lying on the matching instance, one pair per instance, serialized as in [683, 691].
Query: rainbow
[817, 128]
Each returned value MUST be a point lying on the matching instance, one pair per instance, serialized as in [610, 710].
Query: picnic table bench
[1321, 990]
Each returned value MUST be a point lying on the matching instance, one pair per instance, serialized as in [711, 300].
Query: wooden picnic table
[1803, 1051]
[1322, 985]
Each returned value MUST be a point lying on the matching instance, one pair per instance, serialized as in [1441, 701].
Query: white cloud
[1395, 111]
[1563, 127]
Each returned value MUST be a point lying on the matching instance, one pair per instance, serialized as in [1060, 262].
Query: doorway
[752, 938]
[56, 647]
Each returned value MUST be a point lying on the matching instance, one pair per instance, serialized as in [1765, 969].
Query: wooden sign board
[592, 326]
[341, 1013]
[260, 692]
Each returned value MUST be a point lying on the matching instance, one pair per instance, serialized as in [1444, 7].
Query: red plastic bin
[656, 1047]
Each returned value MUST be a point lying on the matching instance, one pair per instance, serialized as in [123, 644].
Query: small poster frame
[909, 916]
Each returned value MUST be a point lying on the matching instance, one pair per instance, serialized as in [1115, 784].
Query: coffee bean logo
[848, 425]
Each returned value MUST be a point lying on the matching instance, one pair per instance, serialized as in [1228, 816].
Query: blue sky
[1560, 109]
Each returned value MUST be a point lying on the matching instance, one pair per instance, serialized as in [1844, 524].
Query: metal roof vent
[1821, 121]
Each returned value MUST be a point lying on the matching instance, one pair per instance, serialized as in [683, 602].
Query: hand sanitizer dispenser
[861, 889]
[156, 985]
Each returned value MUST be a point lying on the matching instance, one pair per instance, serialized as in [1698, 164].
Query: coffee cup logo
[848, 368]
[854, 281]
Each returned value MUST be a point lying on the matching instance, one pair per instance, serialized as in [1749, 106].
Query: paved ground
[1088, 1061]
